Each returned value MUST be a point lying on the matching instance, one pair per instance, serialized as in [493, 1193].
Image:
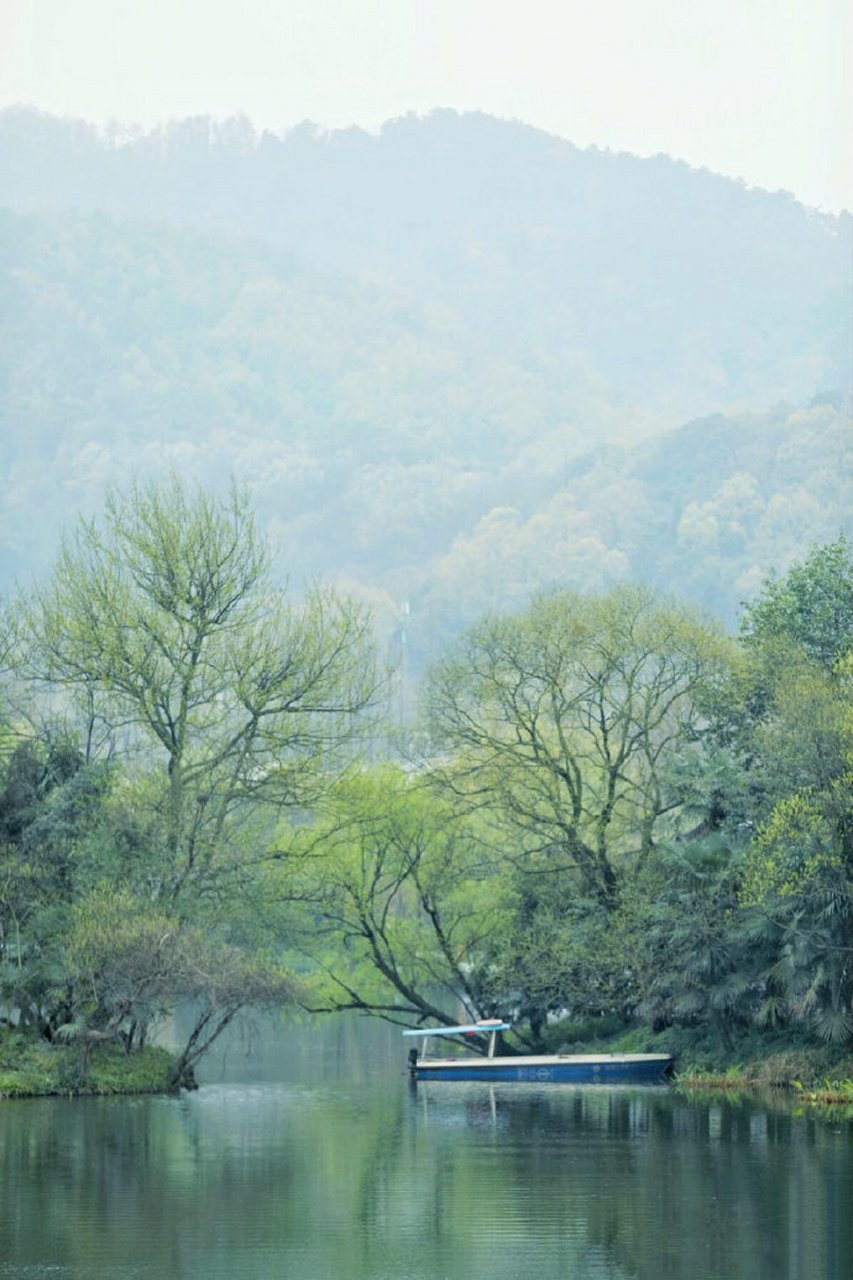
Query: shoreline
[34, 1069]
[829, 1093]
[30, 1069]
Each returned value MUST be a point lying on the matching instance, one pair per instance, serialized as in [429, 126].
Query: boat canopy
[485, 1027]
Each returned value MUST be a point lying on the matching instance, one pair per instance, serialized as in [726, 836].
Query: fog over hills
[445, 357]
[538, 247]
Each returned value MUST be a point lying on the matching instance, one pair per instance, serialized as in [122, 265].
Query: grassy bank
[773, 1073]
[750, 1061]
[31, 1068]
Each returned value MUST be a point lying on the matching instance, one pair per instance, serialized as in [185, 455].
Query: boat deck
[578, 1068]
[546, 1059]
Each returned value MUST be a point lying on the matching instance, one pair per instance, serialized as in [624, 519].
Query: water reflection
[663, 1186]
[339, 1168]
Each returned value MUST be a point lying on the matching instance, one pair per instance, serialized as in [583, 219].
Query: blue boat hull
[651, 1070]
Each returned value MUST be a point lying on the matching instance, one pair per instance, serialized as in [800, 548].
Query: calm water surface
[313, 1157]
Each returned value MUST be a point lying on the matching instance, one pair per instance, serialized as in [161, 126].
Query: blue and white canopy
[486, 1028]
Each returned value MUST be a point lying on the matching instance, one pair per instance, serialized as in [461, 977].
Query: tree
[810, 607]
[50, 802]
[799, 867]
[398, 904]
[161, 624]
[697, 957]
[126, 962]
[560, 721]
[799, 876]
[220, 702]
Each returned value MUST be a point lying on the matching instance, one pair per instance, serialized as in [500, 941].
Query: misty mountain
[452, 360]
[679, 289]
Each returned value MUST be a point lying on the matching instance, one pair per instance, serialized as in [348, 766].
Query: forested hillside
[677, 287]
[452, 360]
[704, 511]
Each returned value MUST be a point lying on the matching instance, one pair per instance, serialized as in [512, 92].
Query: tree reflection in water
[317, 1175]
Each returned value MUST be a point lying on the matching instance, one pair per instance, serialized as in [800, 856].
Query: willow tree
[224, 700]
[563, 723]
[398, 905]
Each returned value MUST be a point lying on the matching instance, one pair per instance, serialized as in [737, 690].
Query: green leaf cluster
[171, 706]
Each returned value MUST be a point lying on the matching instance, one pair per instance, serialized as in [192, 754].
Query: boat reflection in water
[556, 1068]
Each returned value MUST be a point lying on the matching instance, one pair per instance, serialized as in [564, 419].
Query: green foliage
[32, 1068]
[401, 902]
[812, 606]
[561, 718]
[50, 804]
[559, 950]
[162, 623]
[793, 853]
[622, 830]
[121, 955]
[700, 961]
[26, 1066]
[799, 868]
[151, 1070]
[196, 704]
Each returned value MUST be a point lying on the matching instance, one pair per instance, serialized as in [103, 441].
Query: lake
[307, 1153]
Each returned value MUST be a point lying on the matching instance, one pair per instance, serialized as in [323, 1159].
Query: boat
[550, 1068]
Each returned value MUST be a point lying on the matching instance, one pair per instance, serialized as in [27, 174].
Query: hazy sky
[759, 89]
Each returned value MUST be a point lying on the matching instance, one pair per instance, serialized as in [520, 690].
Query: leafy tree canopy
[811, 606]
[562, 719]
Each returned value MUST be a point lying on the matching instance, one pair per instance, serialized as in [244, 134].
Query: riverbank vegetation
[30, 1068]
[612, 823]
[164, 700]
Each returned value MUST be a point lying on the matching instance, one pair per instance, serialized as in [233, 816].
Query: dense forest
[611, 815]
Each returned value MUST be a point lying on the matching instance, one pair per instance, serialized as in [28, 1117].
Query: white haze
[757, 89]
